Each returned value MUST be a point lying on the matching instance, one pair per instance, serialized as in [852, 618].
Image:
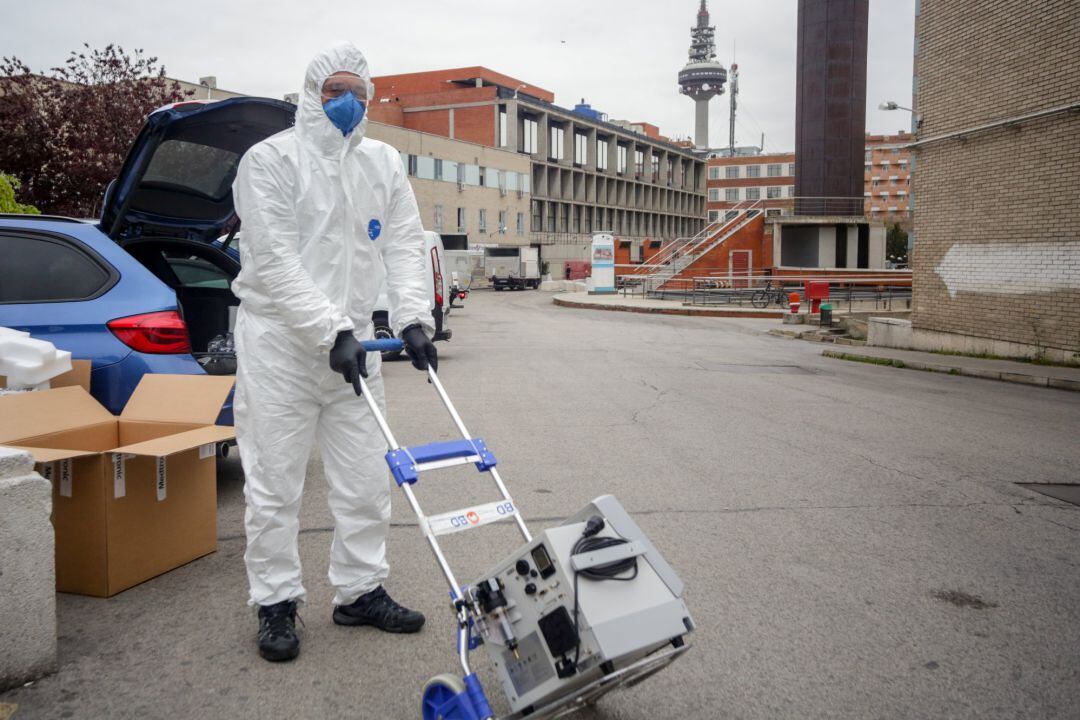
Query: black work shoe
[376, 608]
[277, 631]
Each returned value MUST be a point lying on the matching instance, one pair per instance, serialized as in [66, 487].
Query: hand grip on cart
[383, 345]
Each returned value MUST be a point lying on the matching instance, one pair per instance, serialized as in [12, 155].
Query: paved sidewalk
[629, 303]
[1052, 376]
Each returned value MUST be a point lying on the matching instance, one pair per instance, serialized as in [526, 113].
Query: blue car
[145, 289]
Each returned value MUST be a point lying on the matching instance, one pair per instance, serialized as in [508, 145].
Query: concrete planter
[27, 572]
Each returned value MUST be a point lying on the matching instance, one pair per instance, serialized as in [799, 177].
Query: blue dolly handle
[445, 697]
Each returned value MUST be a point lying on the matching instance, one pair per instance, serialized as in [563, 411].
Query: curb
[765, 315]
[1022, 378]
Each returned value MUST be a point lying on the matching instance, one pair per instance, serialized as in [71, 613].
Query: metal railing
[875, 290]
[842, 206]
[692, 247]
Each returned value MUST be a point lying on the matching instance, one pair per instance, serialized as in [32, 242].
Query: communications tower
[702, 78]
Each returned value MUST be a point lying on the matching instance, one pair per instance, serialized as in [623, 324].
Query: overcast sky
[622, 56]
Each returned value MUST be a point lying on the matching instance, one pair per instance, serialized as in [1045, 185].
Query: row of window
[902, 164]
[885, 195]
[482, 221]
[869, 151]
[426, 167]
[893, 180]
[773, 192]
[557, 151]
[733, 172]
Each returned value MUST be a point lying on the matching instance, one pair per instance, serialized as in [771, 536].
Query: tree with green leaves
[66, 133]
[8, 185]
[896, 244]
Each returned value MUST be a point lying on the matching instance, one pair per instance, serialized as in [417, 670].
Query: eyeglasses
[338, 85]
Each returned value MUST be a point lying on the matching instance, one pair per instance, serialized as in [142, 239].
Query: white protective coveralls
[324, 217]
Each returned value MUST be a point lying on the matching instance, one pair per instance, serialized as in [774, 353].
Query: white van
[438, 293]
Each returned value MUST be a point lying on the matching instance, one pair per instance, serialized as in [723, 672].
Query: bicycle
[768, 295]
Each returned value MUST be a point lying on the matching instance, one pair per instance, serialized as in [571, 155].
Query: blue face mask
[345, 111]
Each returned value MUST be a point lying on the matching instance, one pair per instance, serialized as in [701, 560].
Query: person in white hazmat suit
[327, 214]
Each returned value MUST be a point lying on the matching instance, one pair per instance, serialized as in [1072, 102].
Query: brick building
[887, 178]
[735, 180]
[996, 168]
[587, 173]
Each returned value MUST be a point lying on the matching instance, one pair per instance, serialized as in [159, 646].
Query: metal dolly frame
[446, 696]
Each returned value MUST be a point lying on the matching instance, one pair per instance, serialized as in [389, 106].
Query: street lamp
[890, 105]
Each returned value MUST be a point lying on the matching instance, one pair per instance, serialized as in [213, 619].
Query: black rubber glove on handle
[349, 358]
[419, 348]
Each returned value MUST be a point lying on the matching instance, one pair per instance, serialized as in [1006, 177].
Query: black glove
[348, 357]
[420, 349]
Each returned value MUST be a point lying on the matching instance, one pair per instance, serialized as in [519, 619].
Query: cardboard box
[134, 496]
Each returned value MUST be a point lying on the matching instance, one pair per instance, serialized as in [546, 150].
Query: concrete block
[27, 572]
[888, 332]
[794, 319]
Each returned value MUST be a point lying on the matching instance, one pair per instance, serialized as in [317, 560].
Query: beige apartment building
[887, 178]
[736, 180]
[472, 195]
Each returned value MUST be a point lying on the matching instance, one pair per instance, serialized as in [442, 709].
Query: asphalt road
[851, 536]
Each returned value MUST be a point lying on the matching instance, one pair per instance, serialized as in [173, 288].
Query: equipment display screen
[543, 561]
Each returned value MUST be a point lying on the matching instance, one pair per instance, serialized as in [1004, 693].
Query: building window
[791, 191]
[714, 216]
[528, 135]
[438, 218]
[601, 154]
[670, 171]
[772, 193]
[555, 152]
[620, 159]
[791, 169]
[639, 163]
[502, 222]
[714, 172]
[483, 176]
[581, 149]
[521, 223]
[731, 195]
[438, 169]
[425, 167]
[714, 194]
[461, 219]
[483, 220]
[753, 171]
[502, 126]
[655, 168]
[753, 193]
[774, 170]
[412, 165]
[732, 172]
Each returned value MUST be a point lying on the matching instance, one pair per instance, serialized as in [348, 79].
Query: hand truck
[446, 696]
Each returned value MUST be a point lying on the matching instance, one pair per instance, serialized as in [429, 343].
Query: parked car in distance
[438, 295]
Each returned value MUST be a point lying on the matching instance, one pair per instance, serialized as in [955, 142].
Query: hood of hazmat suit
[326, 218]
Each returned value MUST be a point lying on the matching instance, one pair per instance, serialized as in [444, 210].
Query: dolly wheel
[437, 691]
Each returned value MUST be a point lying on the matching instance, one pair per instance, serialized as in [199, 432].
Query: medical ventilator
[583, 608]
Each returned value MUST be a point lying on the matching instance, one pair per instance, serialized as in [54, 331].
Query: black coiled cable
[606, 571]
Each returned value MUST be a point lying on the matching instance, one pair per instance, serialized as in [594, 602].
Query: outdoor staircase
[684, 252]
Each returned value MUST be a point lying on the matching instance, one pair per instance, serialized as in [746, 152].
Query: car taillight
[159, 332]
[438, 298]
[461, 295]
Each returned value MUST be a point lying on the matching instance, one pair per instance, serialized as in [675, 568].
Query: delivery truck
[516, 268]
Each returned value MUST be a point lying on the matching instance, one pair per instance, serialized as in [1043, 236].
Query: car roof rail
[61, 218]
